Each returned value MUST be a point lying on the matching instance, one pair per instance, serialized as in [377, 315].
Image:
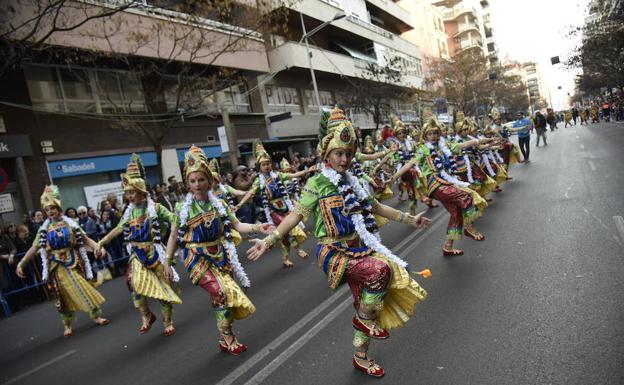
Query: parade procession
[178, 173]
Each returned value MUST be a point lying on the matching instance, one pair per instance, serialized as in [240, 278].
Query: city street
[539, 302]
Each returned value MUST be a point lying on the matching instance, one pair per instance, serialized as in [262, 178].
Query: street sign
[6, 203]
[4, 179]
[223, 139]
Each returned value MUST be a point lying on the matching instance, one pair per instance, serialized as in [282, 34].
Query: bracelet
[270, 239]
[400, 217]
[255, 227]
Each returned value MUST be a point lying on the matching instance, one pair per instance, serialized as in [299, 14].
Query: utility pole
[231, 137]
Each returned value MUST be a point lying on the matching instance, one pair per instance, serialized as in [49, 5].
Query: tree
[375, 93]
[178, 53]
[601, 52]
[26, 27]
[462, 80]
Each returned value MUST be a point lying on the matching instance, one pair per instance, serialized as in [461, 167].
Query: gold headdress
[398, 125]
[339, 133]
[285, 165]
[495, 114]
[51, 197]
[369, 146]
[213, 166]
[260, 153]
[134, 177]
[461, 121]
[431, 125]
[195, 160]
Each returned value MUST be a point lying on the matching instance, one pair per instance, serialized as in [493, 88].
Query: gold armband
[402, 217]
[255, 227]
[272, 238]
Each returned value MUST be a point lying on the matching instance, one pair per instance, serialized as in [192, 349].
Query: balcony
[469, 44]
[149, 22]
[293, 54]
[467, 27]
[391, 14]
[458, 11]
[371, 27]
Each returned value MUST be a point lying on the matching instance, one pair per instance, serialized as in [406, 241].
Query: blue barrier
[34, 275]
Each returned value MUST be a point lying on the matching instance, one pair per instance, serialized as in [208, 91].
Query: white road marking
[582, 146]
[37, 368]
[619, 225]
[592, 165]
[577, 137]
[338, 295]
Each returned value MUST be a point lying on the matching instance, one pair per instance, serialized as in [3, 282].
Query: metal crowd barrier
[33, 275]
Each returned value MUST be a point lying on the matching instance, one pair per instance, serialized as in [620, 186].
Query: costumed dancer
[208, 232]
[275, 201]
[349, 248]
[510, 152]
[149, 273]
[374, 169]
[584, 116]
[293, 185]
[491, 160]
[567, 117]
[462, 203]
[468, 169]
[61, 245]
[412, 180]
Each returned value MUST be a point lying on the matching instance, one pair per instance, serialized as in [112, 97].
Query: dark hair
[71, 208]
[170, 178]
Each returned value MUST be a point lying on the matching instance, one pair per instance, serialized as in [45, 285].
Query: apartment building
[468, 25]
[539, 96]
[365, 32]
[58, 115]
[428, 34]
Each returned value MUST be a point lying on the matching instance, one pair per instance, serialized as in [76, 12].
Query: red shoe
[509, 178]
[452, 252]
[373, 332]
[371, 368]
[102, 321]
[68, 333]
[145, 329]
[498, 189]
[234, 350]
[477, 237]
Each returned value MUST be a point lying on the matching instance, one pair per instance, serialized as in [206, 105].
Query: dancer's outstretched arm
[262, 245]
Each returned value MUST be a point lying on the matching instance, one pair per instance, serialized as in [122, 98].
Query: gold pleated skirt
[76, 292]
[488, 186]
[152, 283]
[501, 174]
[236, 300]
[403, 295]
[299, 234]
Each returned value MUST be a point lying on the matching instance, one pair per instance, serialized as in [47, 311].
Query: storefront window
[283, 99]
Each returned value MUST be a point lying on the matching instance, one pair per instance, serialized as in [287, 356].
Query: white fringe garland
[158, 247]
[370, 240]
[43, 254]
[265, 207]
[452, 179]
[229, 246]
[488, 165]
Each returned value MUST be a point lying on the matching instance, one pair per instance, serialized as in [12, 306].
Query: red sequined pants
[366, 273]
[455, 201]
[209, 283]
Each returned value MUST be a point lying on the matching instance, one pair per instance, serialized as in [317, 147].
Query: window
[283, 99]
[84, 90]
[490, 47]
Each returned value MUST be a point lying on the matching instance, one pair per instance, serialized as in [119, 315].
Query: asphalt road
[539, 302]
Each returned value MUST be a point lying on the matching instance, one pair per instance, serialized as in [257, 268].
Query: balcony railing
[371, 27]
[179, 17]
[467, 27]
[458, 11]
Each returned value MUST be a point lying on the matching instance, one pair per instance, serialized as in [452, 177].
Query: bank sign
[84, 166]
[12, 146]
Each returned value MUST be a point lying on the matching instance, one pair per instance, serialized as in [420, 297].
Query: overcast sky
[536, 30]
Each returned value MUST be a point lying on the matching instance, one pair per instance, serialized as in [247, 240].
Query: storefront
[14, 192]
[84, 181]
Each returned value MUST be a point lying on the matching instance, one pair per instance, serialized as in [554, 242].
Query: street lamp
[305, 37]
